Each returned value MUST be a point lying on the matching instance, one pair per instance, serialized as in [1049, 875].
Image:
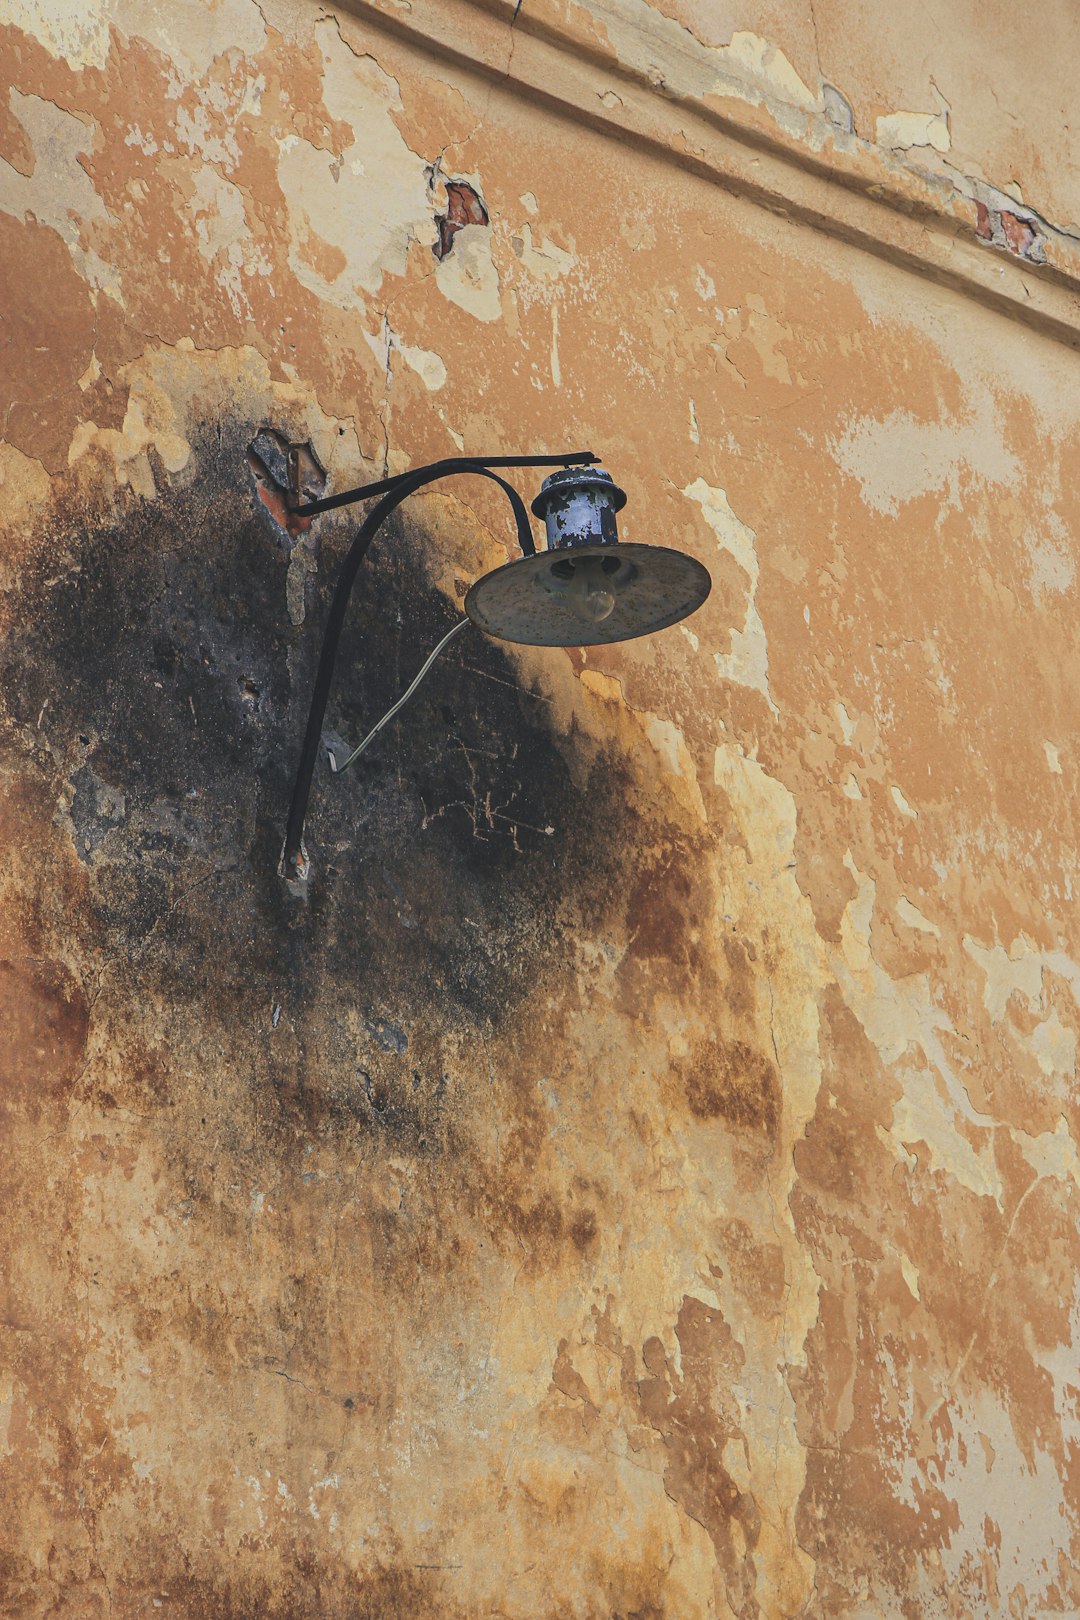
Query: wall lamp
[586, 588]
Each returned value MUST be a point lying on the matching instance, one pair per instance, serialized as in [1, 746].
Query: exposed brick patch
[1004, 229]
[464, 207]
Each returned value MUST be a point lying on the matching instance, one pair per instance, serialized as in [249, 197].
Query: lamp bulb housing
[588, 588]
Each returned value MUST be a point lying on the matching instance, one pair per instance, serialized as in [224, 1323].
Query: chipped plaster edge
[845, 188]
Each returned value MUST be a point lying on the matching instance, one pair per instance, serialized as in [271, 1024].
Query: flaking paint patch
[168, 389]
[429, 366]
[603, 1353]
[1023, 971]
[902, 804]
[78, 36]
[903, 130]
[25, 483]
[765, 66]
[468, 276]
[59, 193]
[1019, 969]
[747, 662]
[194, 33]
[375, 178]
[915, 918]
[219, 213]
[1052, 568]
[1012, 1506]
[224, 237]
[899, 458]
[1053, 1154]
[545, 260]
[906, 1027]
[748, 66]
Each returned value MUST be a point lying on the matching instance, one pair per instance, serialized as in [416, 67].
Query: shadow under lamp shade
[588, 588]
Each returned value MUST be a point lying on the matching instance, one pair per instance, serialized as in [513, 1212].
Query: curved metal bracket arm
[393, 491]
[365, 492]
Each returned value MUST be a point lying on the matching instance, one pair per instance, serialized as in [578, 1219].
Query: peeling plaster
[747, 663]
[906, 1028]
[692, 1191]
[468, 277]
[429, 367]
[907, 129]
[1023, 971]
[375, 179]
[1020, 1496]
[900, 458]
[194, 34]
[59, 193]
[1053, 570]
[544, 260]
[80, 38]
[748, 66]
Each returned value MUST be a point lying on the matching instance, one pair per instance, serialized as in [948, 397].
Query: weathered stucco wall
[640, 1176]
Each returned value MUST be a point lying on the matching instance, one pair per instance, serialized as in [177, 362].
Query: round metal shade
[587, 596]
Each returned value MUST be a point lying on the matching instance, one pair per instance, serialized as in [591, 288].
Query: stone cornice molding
[789, 159]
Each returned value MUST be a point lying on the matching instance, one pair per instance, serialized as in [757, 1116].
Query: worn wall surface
[638, 1176]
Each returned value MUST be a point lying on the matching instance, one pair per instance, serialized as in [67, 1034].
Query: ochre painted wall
[637, 1176]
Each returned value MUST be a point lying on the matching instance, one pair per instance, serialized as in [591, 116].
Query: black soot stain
[452, 864]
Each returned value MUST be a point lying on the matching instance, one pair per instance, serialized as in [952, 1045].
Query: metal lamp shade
[587, 589]
[525, 601]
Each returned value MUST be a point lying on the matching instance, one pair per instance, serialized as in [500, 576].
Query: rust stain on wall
[640, 1177]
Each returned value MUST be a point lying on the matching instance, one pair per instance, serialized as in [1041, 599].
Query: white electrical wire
[402, 700]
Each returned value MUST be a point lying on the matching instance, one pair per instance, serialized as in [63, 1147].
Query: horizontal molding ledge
[842, 187]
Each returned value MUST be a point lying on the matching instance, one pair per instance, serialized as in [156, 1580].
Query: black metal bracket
[437, 469]
[294, 862]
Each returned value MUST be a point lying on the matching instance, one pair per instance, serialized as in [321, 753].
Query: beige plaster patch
[192, 33]
[467, 275]
[1012, 1506]
[914, 918]
[1052, 569]
[429, 366]
[898, 458]
[78, 35]
[903, 130]
[544, 260]
[747, 663]
[905, 1026]
[902, 804]
[748, 67]
[1022, 971]
[368, 201]
[59, 193]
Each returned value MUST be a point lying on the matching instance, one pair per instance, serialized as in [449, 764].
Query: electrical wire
[400, 704]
